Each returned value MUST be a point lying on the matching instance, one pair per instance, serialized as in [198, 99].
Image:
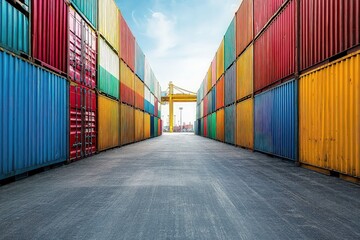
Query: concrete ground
[180, 187]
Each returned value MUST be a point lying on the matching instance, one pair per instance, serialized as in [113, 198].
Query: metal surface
[230, 85]
[139, 93]
[127, 82]
[213, 71]
[209, 78]
[275, 121]
[127, 46]
[327, 28]
[220, 125]
[220, 61]
[274, 50]
[88, 8]
[329, 116]
[127, 132]
[49, 33]
[245, 123]
[213, 132]
[139, 62]
[152, 126]
[244, 74]
[34, 132]
[108, 123]
[263, 11]
[146, 125]
[220, 93]
[109, 24]
[244, 26]
[230, 44]
[14, 29]
[230, 124]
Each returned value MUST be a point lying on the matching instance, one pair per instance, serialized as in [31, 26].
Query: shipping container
[206, 107]
[139, 62]
[108, 70]
[152, 126]
[108, 123]
[274, 50]
[220, 61]
[275, 121]
[213, 126]
[329, 116]
[82, 51]
[87, 8]
[205, 127]
[127, 82]
[139, 93]
[127, 44]
[264, 10]
[327, 28]
[205, 84]
[156, 126]
[220, 93]
[14, 29]
[109, 25]
[244, 26]
[148, 70]
[230, 85]
[230, 124]
[220, 125]
[213, 72]
[245, 123]
[159, 127]
[209, 78]
[49, 33]
[244, 74]
[34, 132]
[146, 126]
[230, 45]
[127, 125]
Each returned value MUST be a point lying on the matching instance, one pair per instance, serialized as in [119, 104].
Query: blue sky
[179, 37]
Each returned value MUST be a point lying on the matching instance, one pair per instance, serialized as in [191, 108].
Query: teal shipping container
[139, 62]
[88, 8]
[230, 122]
[14, 29]
[230, 45]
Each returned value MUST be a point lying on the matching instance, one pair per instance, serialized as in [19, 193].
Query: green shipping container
[88, 8]
[213, 125]
[230, 45]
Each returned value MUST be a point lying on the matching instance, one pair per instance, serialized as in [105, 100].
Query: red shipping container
[244, 26]
[82, 51]
[127, 94]
[220, 93]
[264, 10]
[327, 28]
[156, 107]
[49, 33]
[274, 50]
[205, 106]
[139, 101]
[82, 122]
[213, 72]
[127, 44]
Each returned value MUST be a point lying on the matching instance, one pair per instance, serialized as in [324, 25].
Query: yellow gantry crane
[171, 98]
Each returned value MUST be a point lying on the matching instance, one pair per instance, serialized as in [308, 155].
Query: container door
[75, 123]
[89, 111]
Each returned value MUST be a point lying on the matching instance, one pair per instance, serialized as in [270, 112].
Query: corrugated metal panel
[220, 93]
[127, 44]
[276, 121]
[88, 8]
[108, 123]
[127, 82]
[206, 106]
[244, 26]
[329, 116]
[49, 33]
[327, 28]
[244, 74]
[14, 29]
[213, 72]
[146, 125]
[263, 11]
[230, 45]
[139, 93]
[139, 62]
[213, 126]
[82, 51]
[210, 104]
[245, 123]
[220, 61]
[147, 73]
[220, 125]
[209, 79]
[109, 25]
[156, 126]
[230, 85]
[205, 89]
[152, 126]
[205, 130]
[108, 70]
[34, 132]
[274, 50]
[127, 132]
[230, 124]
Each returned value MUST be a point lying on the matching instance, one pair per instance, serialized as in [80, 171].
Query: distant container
[139, 125]
[210, 104]
[220, 125]
[139, 93]
[127, 44]
[109, 26]
[127, 126]
[276, 121]
[220, 61]
[220, 93]
[127, 82]
[205, 127]
[146, 126]
[88, 8]
[244, 74]
[148, 71]
[230, 124]
[327, 28]
[139, 62]
[329, 116]
[230, 44]
[274, 50]
[156, 126]
[213, 72]
[82, 52]
[108, 123]
[230, 85]
[152, 134]
[205, 84]
[244, 26]
[156, 107]
[147, 99]
[213, 100]
[205, 105]
[108, 70]
[245, 123]
[264, 10]
[213, 126]
[30, 93]
[159, 127]
[209, 78]
[14, 28]
[49, 33]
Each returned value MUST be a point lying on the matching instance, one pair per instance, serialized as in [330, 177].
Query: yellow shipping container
[108, 123]
[245, 123]
[209, 78]
[220, 125]
[127, 77]
[329, 116]
[109, 24]
[127, 133]
[139, 125]
[220, 61]
[244, 74]
[146, 126]
[139, 86]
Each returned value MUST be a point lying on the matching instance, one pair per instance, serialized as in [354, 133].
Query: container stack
[72, 80]
[296, 83]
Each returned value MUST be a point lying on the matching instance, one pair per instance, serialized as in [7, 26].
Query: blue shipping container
[230, 85]
[88, 8]
[230, 117]
[152, 134]
[139, 63]
[14, 29]
[276, 126]
[34, 117]
[213, 101]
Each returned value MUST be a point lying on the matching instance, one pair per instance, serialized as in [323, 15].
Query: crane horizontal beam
[180, 98]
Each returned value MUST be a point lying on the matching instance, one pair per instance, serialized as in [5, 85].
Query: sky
[180, 39]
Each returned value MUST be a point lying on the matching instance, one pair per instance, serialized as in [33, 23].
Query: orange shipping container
[139, 125]
[213, 72]
[244, 26]
[127, 132]
[127, 82]
[146, 126]
[245, 123]
[209, 79]
[139, 93]
[220, 65]
[244, 74]
[220, 125]
[220, 93]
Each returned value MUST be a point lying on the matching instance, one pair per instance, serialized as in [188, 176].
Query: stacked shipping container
[299, 103]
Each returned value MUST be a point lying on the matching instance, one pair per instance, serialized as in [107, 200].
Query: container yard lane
[180, 186]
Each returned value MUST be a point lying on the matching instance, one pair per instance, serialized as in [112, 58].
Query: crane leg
[171, 114]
